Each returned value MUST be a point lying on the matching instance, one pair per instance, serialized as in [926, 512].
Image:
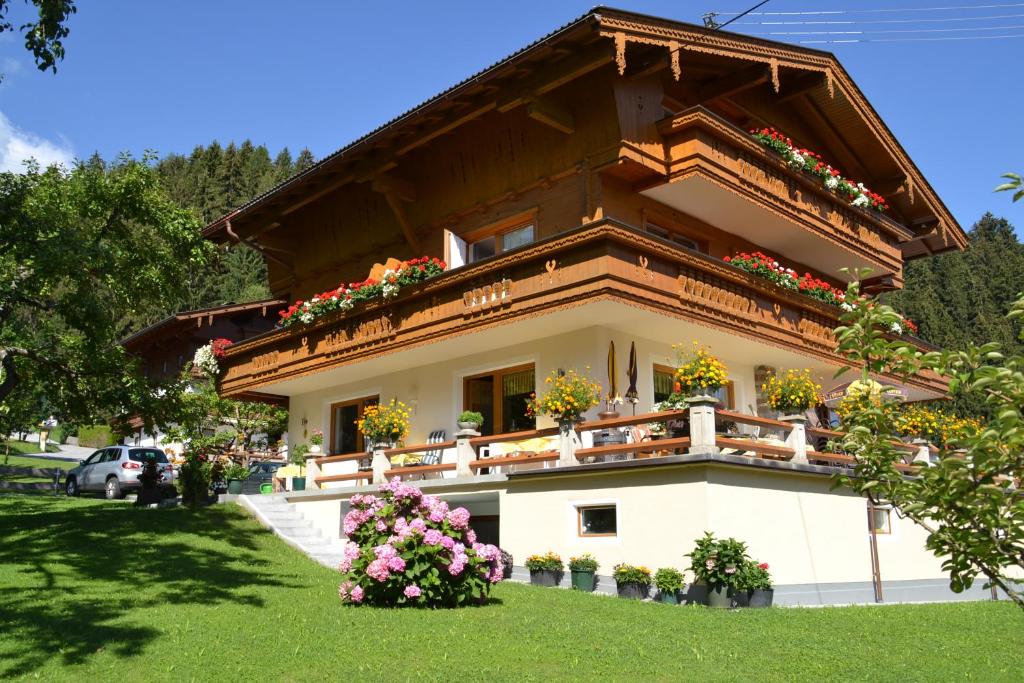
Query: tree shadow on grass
[86, 567]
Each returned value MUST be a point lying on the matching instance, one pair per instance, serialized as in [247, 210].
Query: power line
[739, 16]
[869, 11]
[879, 21]
[905, 40]
[903, 30]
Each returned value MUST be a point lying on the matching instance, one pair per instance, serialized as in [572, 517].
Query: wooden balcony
[721, 175]
[467, 458]
[604, 261]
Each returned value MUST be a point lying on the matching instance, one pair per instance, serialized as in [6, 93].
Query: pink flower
[710, 564]
[385, 552]
[730, 569]
[357, 594]
[470, 537]
[412, 591]
[396, 564]
[433, 537]
[459, 518]
[378, 569]
[448, 542]
[457, 565]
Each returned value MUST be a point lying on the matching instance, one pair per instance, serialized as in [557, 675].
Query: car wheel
[71, 486]
[113, 488]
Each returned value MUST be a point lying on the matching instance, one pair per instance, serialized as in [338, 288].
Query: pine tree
[304, 160]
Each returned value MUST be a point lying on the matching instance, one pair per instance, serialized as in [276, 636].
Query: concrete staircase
[278, 515]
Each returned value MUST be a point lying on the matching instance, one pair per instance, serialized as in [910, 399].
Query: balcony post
[797, 437]
[380, 465]
[924, 452]
[464, 453]
[702, 424]
[312, 470]
[566, 444]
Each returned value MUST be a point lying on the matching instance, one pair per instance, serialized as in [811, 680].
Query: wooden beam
[552, 114]
[734, 83]
[847, 156]
[401, 187]
[399, 210]
[795, 87]
[557, 74]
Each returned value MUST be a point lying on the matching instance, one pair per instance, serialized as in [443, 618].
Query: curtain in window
[517, 383]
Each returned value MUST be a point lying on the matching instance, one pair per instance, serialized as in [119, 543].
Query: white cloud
[17, 145]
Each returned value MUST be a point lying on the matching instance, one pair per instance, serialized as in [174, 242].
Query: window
[500, 396]
[879, 519]
[111, 455]
[664, 378]
[345, 436]
[143, 454]
[673, 236]
[597, 520]
[499, 242]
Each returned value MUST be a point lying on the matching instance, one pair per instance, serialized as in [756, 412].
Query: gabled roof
[178, 319]
[841, 103]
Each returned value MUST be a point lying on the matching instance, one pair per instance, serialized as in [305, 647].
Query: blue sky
[167, 76]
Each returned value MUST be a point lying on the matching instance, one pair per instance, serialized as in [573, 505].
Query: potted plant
[569, 395]
[792, 393]
[298, 457]
[471, 420]
[316, 441]
[582, 571]
[632, 582]
[546, 569]
[716, 563]
[698, 373]
[757, 583]
[385, 424]
[506, 564]
[669, 582]
[235, 474]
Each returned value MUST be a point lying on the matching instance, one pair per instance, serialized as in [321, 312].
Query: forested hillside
[963, 297]
[211, 181]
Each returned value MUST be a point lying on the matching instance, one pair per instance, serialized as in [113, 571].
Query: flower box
[632, 591]
[548, 578]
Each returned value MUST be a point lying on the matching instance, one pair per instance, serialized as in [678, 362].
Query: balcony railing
[710, 431]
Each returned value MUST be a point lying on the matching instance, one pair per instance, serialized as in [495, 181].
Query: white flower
[831, 182]
[846, 307]
[861, 200]
[895, 328]
[205, 361]
[306, 317]
[314, 300]
[346, 304]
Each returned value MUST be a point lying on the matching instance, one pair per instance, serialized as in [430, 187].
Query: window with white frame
[597, 520]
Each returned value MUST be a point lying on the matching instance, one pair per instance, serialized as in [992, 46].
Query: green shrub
[236, 471]
[668, 580]
[194, 479]
[754, 575]
[584, 563]
[95, 436]
[718, 562]
[471, 416]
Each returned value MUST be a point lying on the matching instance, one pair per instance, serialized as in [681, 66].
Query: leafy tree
[79, 250]
[970, 503]
[1015, 185]
[44, 37]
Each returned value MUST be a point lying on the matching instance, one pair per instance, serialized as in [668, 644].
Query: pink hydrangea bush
[406, 548]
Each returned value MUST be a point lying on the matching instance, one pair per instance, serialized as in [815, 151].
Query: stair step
[283, 517]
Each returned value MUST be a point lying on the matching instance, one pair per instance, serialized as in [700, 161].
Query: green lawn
[23, 447]
[102, 591]
[42, 463]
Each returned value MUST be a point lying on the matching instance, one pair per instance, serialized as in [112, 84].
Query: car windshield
[143, 454]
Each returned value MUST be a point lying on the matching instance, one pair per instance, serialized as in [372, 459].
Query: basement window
[880, 520]
[597, 520]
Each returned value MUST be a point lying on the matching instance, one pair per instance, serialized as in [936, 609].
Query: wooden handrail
[755, 446]
[849, 460]
[498, 461]
[351, 476]
[827, 433]
[637, 447]
[344, 457]
[513, 436]
[755, 420]
[412, 469]
[439, 446]
[644, 418]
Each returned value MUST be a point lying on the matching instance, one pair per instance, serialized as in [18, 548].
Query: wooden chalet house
[587, 190]
[166, 346]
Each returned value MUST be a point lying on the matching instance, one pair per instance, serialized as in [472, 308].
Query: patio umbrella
[613, 388]
[632, 395]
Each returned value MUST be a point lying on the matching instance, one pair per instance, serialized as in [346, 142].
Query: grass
[41, 463]
[24, 447]
[98, 590]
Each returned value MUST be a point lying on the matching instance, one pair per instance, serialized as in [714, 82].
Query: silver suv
[115, 470]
